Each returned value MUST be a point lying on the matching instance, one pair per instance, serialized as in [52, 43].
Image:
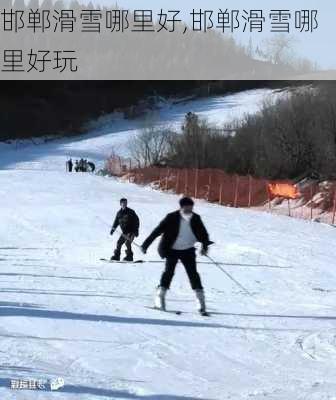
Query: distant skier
[128, 221]
[67, 166]
[77, 166]
[81, 165]
[70, 165]
[180, 231]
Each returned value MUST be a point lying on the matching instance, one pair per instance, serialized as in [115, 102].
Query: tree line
[291, 137]
[37, 108]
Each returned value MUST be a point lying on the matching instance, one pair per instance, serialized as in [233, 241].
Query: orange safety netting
[209, 184]
[306, 200]
[285, 190]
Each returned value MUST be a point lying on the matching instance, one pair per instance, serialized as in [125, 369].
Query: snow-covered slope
[112, 132]
[63, 313]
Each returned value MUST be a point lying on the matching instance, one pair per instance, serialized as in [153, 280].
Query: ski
[121, 261]
[176, 312]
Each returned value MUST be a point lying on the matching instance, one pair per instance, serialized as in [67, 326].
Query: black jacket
[128, 221]
[169, 229]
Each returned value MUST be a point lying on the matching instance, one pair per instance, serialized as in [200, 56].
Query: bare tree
[151, 145]
[200, 145]
[278, 49]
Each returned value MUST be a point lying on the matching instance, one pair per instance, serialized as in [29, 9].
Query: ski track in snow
[63, 313]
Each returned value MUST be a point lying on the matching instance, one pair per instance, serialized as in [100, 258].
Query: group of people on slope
[81, 165]
[179, 231]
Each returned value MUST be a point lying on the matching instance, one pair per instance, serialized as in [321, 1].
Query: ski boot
[115, 257]
[129, 257]
[201, 302]
[160, 298]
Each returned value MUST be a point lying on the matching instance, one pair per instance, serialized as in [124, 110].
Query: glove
[143, 249]
[112, 231]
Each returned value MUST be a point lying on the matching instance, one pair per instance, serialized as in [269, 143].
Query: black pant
[188, 259]
[120, 242]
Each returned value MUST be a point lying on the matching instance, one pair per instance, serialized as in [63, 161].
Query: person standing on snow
[180, 231]
[129, 223]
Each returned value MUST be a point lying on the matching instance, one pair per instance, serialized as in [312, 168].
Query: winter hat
[123, 200]
[186, 201]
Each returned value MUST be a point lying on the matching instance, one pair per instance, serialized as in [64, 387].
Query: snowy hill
[63, 313]
[113, 131]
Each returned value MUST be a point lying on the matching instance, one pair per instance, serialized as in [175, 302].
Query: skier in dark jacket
[128, 221]
[180, 231]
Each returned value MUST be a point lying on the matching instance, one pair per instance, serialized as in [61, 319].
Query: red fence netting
[309, 200]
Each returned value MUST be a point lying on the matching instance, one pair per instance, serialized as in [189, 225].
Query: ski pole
[229, 276]
[228, 264]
